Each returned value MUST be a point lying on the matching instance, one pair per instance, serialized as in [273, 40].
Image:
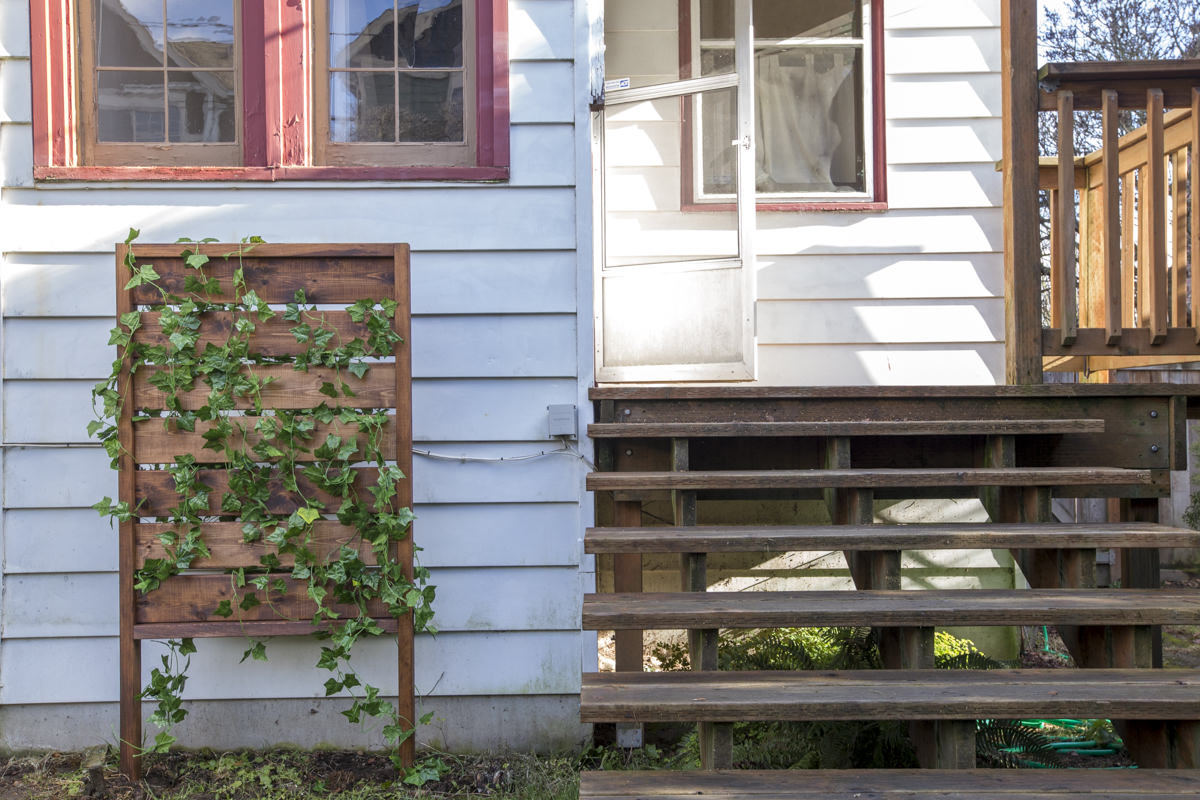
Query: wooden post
[130, 648]
[627, 577]
[1022, 252]
[406, 706]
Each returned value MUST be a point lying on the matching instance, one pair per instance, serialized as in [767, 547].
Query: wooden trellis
[330, 275]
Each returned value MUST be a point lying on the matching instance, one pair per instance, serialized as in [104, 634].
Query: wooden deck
[692, 450]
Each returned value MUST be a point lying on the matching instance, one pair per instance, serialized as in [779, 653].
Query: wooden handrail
[1127, 275]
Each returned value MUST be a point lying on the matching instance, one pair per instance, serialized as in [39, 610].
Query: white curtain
[797, 132]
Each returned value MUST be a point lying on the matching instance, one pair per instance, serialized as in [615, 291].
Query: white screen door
[675, 280]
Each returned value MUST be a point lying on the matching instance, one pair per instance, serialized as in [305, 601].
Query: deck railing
[1124, 238]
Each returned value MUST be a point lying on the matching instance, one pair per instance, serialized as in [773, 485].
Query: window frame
[875, 145]
[277, 113]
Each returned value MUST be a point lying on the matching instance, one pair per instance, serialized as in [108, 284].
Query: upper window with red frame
[818, 100]
[272, 88]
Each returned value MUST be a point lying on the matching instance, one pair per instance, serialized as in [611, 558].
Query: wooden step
[921, 608]
[889, 784]
[890, 694]
[932, 536]
[916, 427]
[867, 478]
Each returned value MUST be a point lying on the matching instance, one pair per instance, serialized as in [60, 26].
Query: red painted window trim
[879, 196]
[277, 98]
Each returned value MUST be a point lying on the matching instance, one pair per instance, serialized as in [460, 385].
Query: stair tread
[928, 536]
[881, 784]
[890, 694]
[918, 427]
[675, 610]
[868, 478]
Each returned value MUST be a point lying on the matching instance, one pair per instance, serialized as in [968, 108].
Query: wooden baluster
[1179, 239]
[1129, 237]
[1110, 224]
[1062, 226]
[1195, 189]
[1156, 218]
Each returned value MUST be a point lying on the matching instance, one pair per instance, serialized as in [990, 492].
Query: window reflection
[166, 71]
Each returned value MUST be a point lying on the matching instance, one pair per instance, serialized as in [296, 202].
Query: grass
[292, 775]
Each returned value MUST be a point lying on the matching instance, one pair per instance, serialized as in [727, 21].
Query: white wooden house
[566, 231]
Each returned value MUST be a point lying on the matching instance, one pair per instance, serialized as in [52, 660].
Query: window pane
[718, 112]
[201, 106]
[431, 33]
[362, 107]
[716, 19]
[786, 19]
[361, 33]
[130, 106]
[431, 106]
[200, 32]
[809, 120]
[129, 33]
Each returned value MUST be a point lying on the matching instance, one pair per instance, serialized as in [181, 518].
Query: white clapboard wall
[495, 340]
[911, 296]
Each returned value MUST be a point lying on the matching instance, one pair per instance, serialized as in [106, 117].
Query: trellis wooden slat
[228, 550]
[272, 337]
[249, 630]
[289, 390]
[1179, 239]
[325, 273]
[158, 445]
[154, 491]
[183, 606]
[194, 598]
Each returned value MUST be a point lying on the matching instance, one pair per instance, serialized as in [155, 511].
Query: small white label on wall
[616, 84]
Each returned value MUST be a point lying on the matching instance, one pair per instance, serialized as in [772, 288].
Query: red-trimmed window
[270, 89]
[818, 104]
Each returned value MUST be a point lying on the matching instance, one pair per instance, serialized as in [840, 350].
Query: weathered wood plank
[935, 536]
[250, 630]
[882, 608]
[326, 273]
[158, 445]
[272, 337]
[1041, 390]
[194, 598]
[289, 390]
[881, 784]
[154, 492]
[228, 550]
[864, 478]
[959, 427]
[890, 694]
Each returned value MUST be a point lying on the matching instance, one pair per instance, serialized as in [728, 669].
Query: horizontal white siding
[536, 662]
[495, 340]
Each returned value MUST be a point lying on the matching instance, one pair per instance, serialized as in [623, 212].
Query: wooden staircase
[1015, 448]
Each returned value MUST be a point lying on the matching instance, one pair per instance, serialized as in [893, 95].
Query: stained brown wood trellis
[335, 275]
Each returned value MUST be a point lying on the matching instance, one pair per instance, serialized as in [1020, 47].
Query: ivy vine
[261, 447]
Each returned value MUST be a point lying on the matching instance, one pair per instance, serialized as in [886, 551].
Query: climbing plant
[314, 454]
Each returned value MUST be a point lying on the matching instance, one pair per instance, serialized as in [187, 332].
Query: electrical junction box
[564, 421]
